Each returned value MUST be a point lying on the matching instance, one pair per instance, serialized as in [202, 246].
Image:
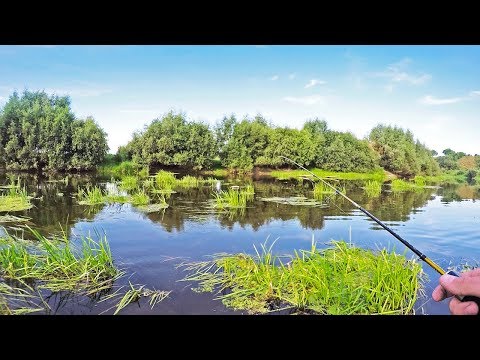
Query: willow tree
[174, 141]
[37, 133]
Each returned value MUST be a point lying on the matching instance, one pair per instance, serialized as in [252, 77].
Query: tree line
[40, 132]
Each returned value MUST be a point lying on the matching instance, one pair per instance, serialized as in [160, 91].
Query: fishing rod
[422, 256]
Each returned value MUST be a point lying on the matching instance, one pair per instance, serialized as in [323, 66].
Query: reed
[165, 179]
[90, 196]
[373, 188]
[129, 183]
[16, 198]
[341, 279]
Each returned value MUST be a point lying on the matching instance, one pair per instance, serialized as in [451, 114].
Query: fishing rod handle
[467, 297]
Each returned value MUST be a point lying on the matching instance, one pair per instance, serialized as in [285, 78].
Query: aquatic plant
[134, 294]
[373, 188]
[402, 185]
[140, 198]
[90, 196]
[57, 264]
[165, 179]
[129, 182]
[188, 182]
[15, 199]
[233, 198]
[341, 279]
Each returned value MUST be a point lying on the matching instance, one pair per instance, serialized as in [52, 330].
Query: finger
[439, 293]
[471, 273]
[458, 307]
[461, 285]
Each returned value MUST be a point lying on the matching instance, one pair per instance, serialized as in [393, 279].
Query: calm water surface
[441, 222]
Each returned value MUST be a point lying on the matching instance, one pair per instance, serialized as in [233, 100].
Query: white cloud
[274, 77]
[314, 82]
[306, 100]
[432, 100]
[292, 76]
[396, 73]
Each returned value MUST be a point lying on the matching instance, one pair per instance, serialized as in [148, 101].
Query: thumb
[461, 285]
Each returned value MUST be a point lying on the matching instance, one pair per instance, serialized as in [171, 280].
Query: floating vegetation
[342, 279]
[134, 294]
[373, 188]
[294, 200]
[60, 194]
[11, 218]
[151, 208]
[16, 199]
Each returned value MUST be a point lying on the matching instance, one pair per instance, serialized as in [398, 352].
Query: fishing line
[422, 256]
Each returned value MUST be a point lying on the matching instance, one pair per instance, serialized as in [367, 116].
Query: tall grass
[342, 279]
[165, 179]
[188, 182]
[231, 199]
[129, 183]
[90, 196]
[16, 198]
[373, 188]
[398, 185]
[58, 265]
[320, 189]
[140, 198]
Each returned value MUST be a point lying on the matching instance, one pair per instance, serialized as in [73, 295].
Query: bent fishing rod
[422, 256]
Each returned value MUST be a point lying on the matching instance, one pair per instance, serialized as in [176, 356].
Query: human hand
[468, 283]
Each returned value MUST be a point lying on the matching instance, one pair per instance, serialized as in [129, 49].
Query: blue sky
[432, 90]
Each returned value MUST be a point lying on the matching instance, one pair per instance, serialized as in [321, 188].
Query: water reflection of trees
[194, 206]
[452, 193]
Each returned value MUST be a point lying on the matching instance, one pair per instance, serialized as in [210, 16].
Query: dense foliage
[400, 153]
[173, 141]
[40, 132]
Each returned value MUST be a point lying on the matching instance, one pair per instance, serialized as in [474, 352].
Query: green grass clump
[232, 198]
[125, 168]
[320, 189]
[129, 183]
[140, 198]
[15, 199]
[90, 196]
[165, 179]
[57, 264]
[420, 180]
[373, 188]
[188, 182]
[447, 177]
[398, 185]
[342, 279]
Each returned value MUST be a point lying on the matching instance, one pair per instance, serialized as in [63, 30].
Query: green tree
[89, 144]
[400, 153]
[36, 133]
[172, 140]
